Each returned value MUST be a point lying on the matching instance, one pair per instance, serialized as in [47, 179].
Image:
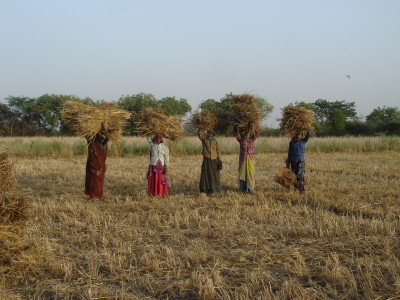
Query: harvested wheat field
[339, 240]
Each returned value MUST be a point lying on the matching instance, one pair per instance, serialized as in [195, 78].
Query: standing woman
[295, 160]
[158, 167]
[209, 177]
[96, 163]
[246, 160]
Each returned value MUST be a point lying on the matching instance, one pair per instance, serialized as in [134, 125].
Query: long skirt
[94, 184]
[246, 175]
[209, 178]
[299, 169]
[95, 170]
[156, 182]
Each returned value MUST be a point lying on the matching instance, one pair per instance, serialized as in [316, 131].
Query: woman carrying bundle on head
[210, 177]
[246, 159]
[96, 162]
[158, 167]
[295, 160]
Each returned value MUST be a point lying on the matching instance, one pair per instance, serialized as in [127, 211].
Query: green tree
[211, 105]
[384, 114]
[8, 121]
[173, 107]
[359, 128]
[36, 116]
[333, 116]
[49, 107]
[27, 115]
[305, 105]
[137, 103]
[385, 120]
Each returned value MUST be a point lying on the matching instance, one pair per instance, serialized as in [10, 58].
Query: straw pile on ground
[12, 206]
[7, 180]
[295, 121]
[246, 113]
[285, 178]
[153, 121]
[86, 119]
[204, 120]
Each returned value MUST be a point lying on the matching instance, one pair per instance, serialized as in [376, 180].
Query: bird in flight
[348, 76]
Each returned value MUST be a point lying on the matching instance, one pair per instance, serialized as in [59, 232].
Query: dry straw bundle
[204, 120]
[7, 180]
[12, 206]
[13, 214]
[86, 119]
[12, 244]
[153, 121]
[295, 121]
[246, 113]
[116, 119]
[286, 178]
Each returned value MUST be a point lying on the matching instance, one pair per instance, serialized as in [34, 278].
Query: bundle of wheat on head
[295, 121]
[153, 121]
[246, 113]
[204, 120]
[86, 119]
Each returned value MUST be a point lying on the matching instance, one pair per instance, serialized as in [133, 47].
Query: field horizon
[69, 147]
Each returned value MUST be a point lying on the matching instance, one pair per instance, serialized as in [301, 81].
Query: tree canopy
[27, 116]
[385, 120]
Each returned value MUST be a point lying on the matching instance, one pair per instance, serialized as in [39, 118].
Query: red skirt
[95, 169]
[157, 183]
[94, 185]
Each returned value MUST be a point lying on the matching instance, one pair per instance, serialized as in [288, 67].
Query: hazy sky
[283, 51]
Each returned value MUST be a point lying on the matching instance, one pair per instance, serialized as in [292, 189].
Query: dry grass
[68, 147]
[13, 207]
[7, 180]
[13, 212]
[86, 119]
[286, 178]
[295, 121]
[153, 122]
[204, 120]
[246, 114]
[340, 240]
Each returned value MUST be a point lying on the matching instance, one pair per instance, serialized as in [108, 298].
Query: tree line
[24, 116]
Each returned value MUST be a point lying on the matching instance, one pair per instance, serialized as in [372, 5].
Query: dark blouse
[296, 148]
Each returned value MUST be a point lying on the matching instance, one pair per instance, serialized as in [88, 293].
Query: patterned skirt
[246, 175]
[156, 181]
